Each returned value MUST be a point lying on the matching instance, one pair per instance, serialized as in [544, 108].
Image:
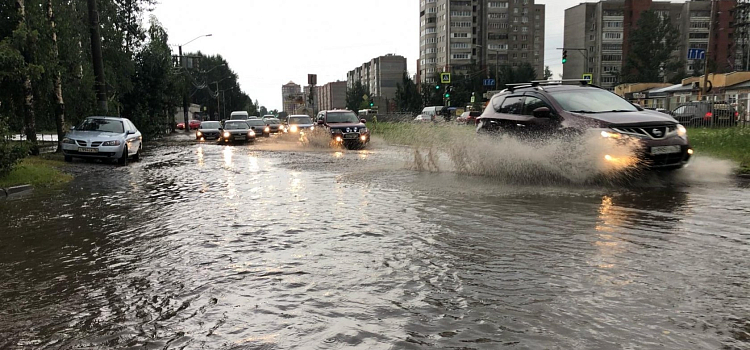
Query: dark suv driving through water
[345, 128]
[543, 109]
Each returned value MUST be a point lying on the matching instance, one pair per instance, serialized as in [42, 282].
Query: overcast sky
[271, 42]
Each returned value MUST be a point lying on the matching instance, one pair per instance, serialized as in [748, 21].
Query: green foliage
[36, 171]
[657, 37]
[728, 143]
[10, 152]
[355, 97]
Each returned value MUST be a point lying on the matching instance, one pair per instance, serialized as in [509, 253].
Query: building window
[698, 36]
[612, 58]
[611, 47]
[461, 24]
[497, 46]
[613, 35]
[459, 35]
[460, 56]
[460, 46]
[498, 4]
[612, 24]
[700, 25]
[498, 15]
[460, 13]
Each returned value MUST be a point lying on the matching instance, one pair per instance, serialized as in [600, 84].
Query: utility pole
[703, 90]
[185, 92]
[96, 53]
[218, 104]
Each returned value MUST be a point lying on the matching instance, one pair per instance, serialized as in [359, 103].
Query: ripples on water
[250, 248]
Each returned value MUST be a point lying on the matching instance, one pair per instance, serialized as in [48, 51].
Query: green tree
[355, 96]
[547, 73]
[407, 95]
[652, 43]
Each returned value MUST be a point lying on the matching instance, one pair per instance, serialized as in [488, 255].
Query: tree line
[48, 80]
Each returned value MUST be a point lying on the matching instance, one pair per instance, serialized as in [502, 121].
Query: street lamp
[218, 104]
[185, 97]
[497, 63]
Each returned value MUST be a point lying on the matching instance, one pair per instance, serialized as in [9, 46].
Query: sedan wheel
[124, 158]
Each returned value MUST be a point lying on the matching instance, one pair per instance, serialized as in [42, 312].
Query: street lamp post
[185, 96]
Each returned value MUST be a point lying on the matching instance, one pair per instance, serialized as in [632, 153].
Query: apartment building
[291, 94]
[331, 96]
[596, 35]
[456, 36]
[381, 74]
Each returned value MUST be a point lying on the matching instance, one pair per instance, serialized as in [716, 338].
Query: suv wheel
[124, 158]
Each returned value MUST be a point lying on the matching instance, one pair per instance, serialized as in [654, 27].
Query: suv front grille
[654, 132]
[82, 143]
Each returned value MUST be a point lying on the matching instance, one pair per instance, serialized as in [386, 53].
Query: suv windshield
[591, 100]
[238, 117]
[300, 120]
[235, 126]
[103, 125]
[256, 122]
[273, 121]
[342, 117]
[210, 125]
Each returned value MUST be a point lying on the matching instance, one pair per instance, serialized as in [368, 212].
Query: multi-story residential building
[291, 93]
[456, 36]
[596, 35]
[331, 96]
[381, 75]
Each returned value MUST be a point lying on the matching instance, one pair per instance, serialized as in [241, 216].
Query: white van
[432, 111]
[239, 115]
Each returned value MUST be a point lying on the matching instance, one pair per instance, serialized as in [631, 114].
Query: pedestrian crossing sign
[588, 77]
[445, 78]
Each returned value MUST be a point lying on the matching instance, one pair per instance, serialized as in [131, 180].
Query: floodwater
[274, 246]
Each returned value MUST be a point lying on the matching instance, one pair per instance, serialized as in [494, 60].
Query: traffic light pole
[585, 56]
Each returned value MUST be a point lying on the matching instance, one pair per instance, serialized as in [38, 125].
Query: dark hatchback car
[706, 113]
[545, 109]
[236, 131]
[260, 127]
[345, 128]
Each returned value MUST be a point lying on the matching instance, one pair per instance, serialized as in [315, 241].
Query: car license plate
[665, 150]
[88, 150]
[350, 136]
[239, 137]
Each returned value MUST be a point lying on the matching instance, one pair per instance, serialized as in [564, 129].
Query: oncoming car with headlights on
[208, 131]
[296, 124]
[547, 108]
[345, 128]
[108, 138]
[236, 130]
[260, 127]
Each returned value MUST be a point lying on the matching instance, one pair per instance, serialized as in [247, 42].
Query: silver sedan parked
[108, 138]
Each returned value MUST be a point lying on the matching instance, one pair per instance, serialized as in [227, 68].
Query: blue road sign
[696, 54]
[489, 82]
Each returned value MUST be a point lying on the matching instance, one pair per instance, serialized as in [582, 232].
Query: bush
[10, 152]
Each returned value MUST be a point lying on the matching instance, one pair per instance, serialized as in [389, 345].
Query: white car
[423, 118]
[104, 138]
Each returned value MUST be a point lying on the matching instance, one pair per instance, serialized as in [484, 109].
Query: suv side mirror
[542, 112]
[363, 120]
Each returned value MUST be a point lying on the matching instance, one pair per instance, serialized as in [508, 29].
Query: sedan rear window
[235, 126]
[300, 120]
[103, 125]
[256, 122]
[210, 125]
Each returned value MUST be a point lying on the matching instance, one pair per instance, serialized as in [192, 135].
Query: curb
[7, 192]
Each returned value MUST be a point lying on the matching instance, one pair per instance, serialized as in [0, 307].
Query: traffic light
[437, 87]
[372, 103]
[565, 56]
[448, 91]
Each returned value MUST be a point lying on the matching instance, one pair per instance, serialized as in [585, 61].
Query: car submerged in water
[550, 108]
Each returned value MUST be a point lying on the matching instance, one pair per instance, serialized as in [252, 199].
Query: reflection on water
[238, 248]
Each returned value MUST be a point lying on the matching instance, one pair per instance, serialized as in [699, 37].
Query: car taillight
[736, 114]
[708, 116]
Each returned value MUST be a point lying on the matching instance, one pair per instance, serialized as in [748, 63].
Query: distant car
[108, 138]
[181, 126]
[423, 118]
[345, 128]
[259, 127]
[239, 115]
[706, 113]
[299, 123]
[274, 125]
[194, 124]
[469, 117]
[236, 130]
[208, 131]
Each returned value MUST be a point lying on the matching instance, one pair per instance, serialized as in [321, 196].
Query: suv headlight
[69, 141]
[227, 134]
[362, 130]
[611, 134]
[336, 131]
[681, 130]
[111, 143]
[251, 133]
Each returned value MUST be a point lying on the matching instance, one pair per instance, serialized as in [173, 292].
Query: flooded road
[273, 247]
